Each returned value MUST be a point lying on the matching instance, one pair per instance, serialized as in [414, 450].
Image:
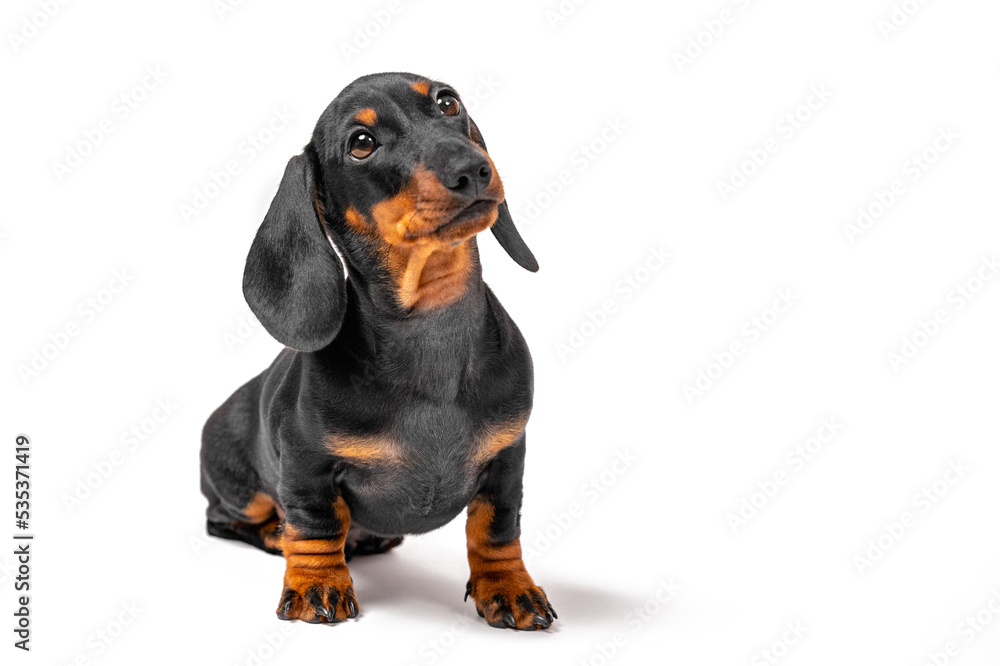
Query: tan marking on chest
[368, 450]
[496, 438]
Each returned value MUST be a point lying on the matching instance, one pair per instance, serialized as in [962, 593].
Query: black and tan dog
[405, 389]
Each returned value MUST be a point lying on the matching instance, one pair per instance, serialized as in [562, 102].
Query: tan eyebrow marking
[422, 87]
[366, 116]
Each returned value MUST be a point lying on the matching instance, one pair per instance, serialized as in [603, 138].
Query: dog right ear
[294, 280]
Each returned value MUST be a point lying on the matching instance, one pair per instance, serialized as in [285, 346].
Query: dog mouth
[468, 221]
[473, 212]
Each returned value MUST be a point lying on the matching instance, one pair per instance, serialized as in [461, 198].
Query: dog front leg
[504, 593]
[318, 587]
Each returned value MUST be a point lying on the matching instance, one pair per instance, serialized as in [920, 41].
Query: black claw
[508, 619]
[314, 597]
[468, 590]
[352, 608]
[498, 624]
[543, 605]
[553, 611]
[287, 598]
[532, 604]
[480, 611]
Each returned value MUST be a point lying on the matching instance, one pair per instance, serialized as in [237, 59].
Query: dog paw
[318, 597]
[511, 600]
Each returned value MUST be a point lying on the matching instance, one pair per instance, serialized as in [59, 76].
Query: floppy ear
[294, 281]
[503, 229]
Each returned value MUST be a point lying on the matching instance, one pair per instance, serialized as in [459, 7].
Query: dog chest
[420, 474]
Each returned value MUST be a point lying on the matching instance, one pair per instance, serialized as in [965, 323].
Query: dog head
[392, 188]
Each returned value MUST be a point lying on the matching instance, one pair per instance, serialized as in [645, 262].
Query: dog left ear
[294, 281]
[503, 229]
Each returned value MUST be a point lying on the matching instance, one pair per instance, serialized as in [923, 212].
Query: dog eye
[362, 145]
[449, 104]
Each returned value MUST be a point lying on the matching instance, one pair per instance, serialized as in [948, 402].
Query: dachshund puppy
[404, 390]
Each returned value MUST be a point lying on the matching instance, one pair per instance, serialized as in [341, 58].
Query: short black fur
[362, 367]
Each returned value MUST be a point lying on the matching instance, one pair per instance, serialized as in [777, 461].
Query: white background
[539, 91]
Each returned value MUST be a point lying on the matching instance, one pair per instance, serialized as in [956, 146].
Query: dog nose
[463, 170]
[470, 175]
